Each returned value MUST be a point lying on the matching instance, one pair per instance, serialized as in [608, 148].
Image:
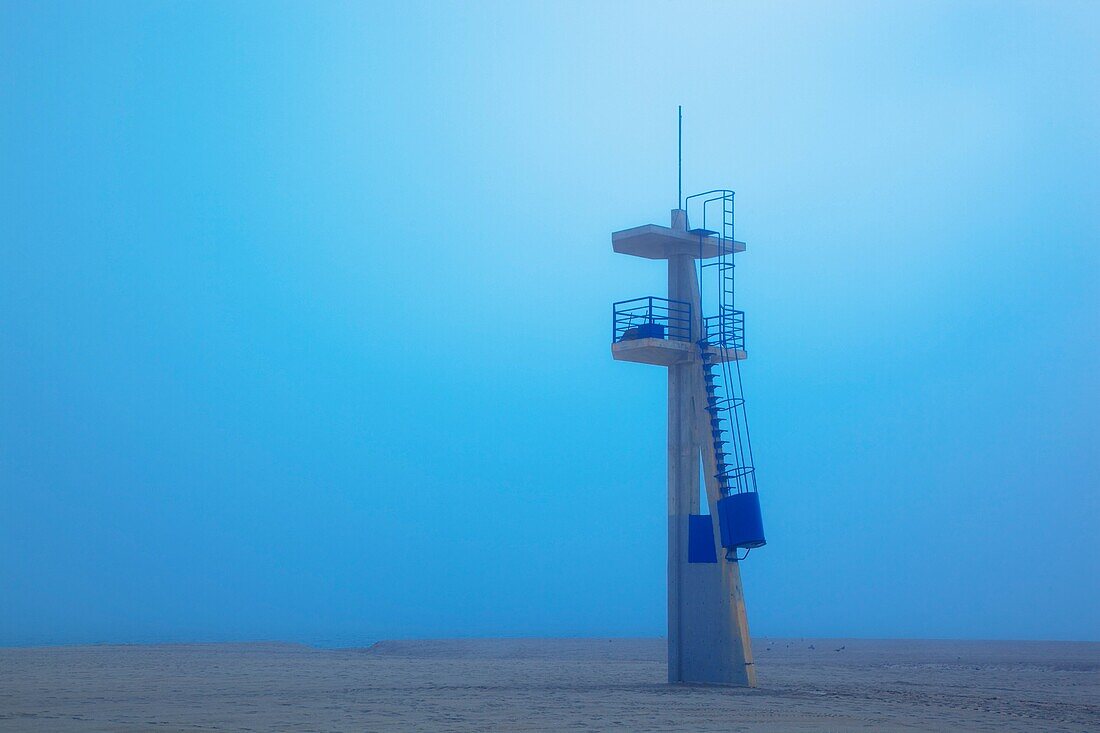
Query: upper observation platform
[655, 242]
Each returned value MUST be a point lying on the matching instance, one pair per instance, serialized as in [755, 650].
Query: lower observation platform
[666, 352]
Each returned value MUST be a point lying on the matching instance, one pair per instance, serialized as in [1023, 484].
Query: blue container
[740, 522]
[651, 331]
[701, 539]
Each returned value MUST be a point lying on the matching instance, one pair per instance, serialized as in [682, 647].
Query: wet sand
[549, 684]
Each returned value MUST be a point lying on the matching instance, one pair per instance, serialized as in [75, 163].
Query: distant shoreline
[368, 645]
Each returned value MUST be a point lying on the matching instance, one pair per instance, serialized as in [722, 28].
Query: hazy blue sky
[304, 315]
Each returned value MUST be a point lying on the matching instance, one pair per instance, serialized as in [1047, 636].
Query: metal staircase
[721, 348]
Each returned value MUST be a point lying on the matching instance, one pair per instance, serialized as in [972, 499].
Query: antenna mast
[680, 156]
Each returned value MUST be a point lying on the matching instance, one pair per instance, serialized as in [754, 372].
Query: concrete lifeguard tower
[698, 335]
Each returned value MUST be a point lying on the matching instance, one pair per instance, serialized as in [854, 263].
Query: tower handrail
[725, 329]
[651, 317]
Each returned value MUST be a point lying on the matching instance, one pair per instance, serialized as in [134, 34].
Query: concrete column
[683, 474]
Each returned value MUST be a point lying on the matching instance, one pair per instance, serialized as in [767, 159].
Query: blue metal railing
[650, 317]
[725, 329]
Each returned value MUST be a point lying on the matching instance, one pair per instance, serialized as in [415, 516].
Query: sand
[554, 684]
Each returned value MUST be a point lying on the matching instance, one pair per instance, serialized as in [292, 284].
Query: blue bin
[701, 539]
[740, 522]
[651, 331]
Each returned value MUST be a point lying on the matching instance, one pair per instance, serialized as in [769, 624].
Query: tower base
[707, 645]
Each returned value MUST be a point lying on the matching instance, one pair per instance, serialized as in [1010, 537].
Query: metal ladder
[722, 338]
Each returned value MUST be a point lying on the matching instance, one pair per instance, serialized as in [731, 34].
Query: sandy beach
[549, 684]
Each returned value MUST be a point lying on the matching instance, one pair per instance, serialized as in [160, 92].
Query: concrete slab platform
[666, 352]
[655, 242]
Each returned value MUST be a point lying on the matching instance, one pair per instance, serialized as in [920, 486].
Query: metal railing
[725, 329]
[650, 317]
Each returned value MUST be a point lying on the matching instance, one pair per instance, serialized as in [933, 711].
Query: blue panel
[701, 539]
[740, 522]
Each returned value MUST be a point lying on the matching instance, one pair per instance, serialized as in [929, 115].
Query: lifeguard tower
[699, 336]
